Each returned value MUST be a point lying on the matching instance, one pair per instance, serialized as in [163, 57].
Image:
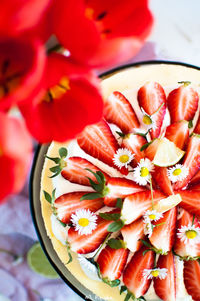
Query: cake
[121, 202]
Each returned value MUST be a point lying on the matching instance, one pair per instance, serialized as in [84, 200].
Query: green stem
[151, 187]
[193, 219]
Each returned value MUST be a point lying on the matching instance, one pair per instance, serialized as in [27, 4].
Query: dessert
[122, 205]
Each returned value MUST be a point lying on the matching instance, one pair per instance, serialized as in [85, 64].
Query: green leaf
[55, 175]
[103, 179]
[146, 251]
[145, 146]
[119, 203]
[63, 224]
[186, 83]
[55, 159]
[47, 196]
[120, 134]
[190, 124]
[123, 289]
[116, 243]
[55, 169]
[69, 254]
[63, 152]
[141, 298]
[97, 176]
[145, 243]
[112, 283]
[115, 226]
[110, 216]
[91, 196]
[53, 195]
[128, 296]
[96, 187]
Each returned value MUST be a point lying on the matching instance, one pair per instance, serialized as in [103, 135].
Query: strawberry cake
[121, 203]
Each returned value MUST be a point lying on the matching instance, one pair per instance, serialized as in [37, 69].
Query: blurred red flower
[15, 154]
[22, 64]
[70, 100]
[101, 33]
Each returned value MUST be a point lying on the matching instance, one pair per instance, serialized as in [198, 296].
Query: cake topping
[177, 172]
[123, 157]
[84, 221]
[142, 173]
[189, 234]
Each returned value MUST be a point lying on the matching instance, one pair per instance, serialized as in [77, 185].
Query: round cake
[121, 203]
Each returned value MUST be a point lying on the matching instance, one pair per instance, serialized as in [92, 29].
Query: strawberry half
[98, 141]
[191, 275]
[132, 234]
[118, 110]
[134, 142]
[166, 288]
[190, 200]
[112, 262]
[163, 235]
[182, 103]
[75, 171]
[161, 177]
[135, 205]
[83, 244]
[185, 250]
[68, 203]
[178, 133]
[191, 161]
[150, 97]
[133, 277]
[120, 188]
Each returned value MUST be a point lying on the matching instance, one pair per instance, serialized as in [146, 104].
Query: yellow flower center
[147, 120]
[155, 273]
[124, 158]
[191, 234]
[152, 216]
[83, 222]
[177, 172]
[144, 172]
[58, 90]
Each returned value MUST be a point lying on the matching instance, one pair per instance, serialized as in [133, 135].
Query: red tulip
[69, 101]
[15, 154]
[21, 69]
[102, 33]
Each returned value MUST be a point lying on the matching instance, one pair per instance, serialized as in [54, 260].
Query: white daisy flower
[177, 173]
[155, 273]
[148, 228]
[84, 221]
[152, 215]
[189, 234]
[148, 120]
[123, 157]
[142, 173]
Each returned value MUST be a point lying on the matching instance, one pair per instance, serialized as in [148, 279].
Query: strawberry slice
[118, 110]
[163, 235]
[112, 262]
[190, 200]
[133, 277]
[186, 250]
[98, 141]
[75, 171]
[83, 244]
[134, 142]
[196, 179]
[120, 188]
[166, 288]
[197, 127]
[68, 203]
[191, 161]
[150, 151]
[191, 274]
[150, 97]
[132, 233]
[178, 133]
[135, 205]
[161, 178]
[182, 103]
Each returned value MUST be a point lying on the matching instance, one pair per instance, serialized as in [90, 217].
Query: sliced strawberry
[150, 97]
[136, 204]
[182, 103]
[196, 179]
[75, 171]
[161, 178]
[83, 244]
[120, 188]
[191, 275]
[132, 234]
[194, 187]
[118, 110]
[163, 235]
[98, 141]
[178, 133]
[133, 276]
[112, 262]
[166, 288]
[180, 247]
[191, 161]
[197, 127]
[134, 142]
[190, 200]
[68, 203]
[150, 151]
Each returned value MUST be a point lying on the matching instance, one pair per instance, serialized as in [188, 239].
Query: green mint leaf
[56, 159]
[120, 134]
[55, 169]
[110, 216]
[115, 226]
[116, 243]
[123, 289]
[91, 196]
[145, 146]
[119, 203]
[190, 124]
[63, 152]
[47, 196]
